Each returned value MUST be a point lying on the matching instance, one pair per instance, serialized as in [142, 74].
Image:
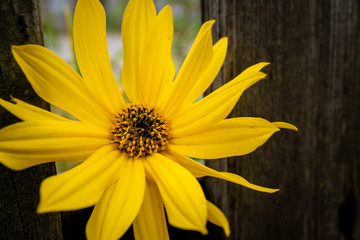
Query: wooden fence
[313, 82]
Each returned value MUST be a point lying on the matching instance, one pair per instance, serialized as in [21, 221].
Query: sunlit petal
[216, 106]
[285, 125]
[199, 170]
[29, 143]
[150, 223]
[219, 53]
[217, 217]
[194, 66]
[230, 137]
[81, 186]
[57, 83]
[26, 111]
[183, 197]
[137, 20]
[120, 204]
[92, 54]
[157, 69]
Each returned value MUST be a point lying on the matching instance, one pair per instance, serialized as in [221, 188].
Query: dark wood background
[19, 191]
[314, 83]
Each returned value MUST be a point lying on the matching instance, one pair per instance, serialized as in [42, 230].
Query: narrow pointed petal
[57, 83]
[150, 223]
[157, 67]
[216, 106]
[182, 194]
[230, 137]
[285, 125]
[194, 66]
[92, 53]
[23, 160]
[81, 186]
[137, 20]
[199, 170]
[25, 111]
[50, 129]
[217, 217]
[220, 49]
[94, 225]
[29, 143]
[120, 204]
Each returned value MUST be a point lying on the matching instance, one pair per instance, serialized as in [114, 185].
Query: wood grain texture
[313, 82]
[19, 191]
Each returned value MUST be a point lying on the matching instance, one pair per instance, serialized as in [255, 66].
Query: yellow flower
[135, 156]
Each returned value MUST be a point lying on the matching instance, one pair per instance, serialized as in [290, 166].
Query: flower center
[139, 130]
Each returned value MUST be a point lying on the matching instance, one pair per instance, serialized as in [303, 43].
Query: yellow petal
[157, 69]
[83, 185]
[57, 83]
[183, 197]
[220, 49]
[216, 106]
[120, 204]
[94, 225]
[217, 217]
[29, 143]
[150, 223]
[198, 170]
[194, 66]
[230, 137]
[50, 129]
[137, 20]
[26, 111]
[20, 161]
[285, 125]
[254, 68]
[92, 54]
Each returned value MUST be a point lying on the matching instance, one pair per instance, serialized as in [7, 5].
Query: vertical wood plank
[313, 82]
[19, 191]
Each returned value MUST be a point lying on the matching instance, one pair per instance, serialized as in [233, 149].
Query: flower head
[136, 156]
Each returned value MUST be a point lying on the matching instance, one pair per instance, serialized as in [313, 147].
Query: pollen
[139, 130]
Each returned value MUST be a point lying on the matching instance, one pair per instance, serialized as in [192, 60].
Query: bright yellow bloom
[136, 156]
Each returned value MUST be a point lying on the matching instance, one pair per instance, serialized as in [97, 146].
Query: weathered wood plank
[19, 191]
[313, 82]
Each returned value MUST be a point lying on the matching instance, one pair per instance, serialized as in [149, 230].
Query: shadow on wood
[313, 83]
[20, 24]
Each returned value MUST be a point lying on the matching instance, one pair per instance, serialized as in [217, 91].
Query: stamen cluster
[140, 130]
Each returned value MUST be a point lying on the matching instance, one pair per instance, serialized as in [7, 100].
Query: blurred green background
[57, 17]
